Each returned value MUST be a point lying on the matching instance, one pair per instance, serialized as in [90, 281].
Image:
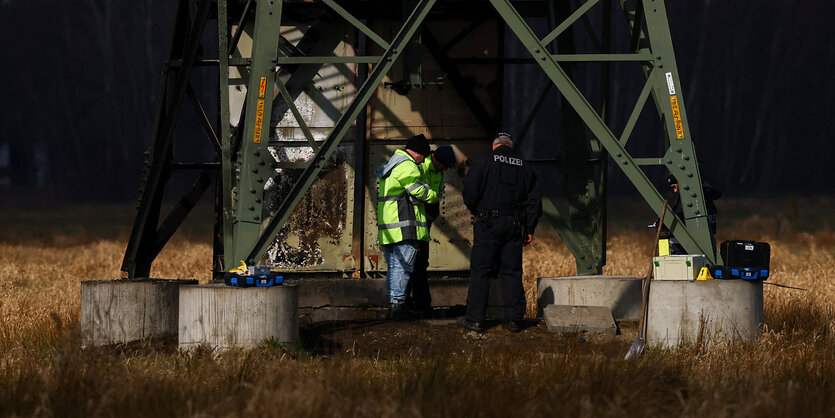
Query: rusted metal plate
[317, 237]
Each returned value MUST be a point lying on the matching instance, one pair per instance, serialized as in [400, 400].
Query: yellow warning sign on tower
[259, 121]
[262, 87]
[677, 118]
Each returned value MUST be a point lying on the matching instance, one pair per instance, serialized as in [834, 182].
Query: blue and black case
[263, 280]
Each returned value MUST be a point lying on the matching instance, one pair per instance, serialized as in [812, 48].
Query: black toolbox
[745, 259]
[752, 254]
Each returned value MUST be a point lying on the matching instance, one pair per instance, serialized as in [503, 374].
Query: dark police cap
[445, 155]
[504, 135]
[419, 144]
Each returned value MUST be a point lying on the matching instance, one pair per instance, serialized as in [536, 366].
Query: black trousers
[418, 288]
[498, 238]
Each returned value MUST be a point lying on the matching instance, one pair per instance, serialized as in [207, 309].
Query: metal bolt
[693, 195]
[252, 191]
[686, 158]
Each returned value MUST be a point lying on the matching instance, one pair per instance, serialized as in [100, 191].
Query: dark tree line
[80, 80]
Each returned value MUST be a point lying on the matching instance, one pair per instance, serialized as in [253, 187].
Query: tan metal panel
[436, 110]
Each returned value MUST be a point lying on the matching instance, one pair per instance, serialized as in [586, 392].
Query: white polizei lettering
[507, 160]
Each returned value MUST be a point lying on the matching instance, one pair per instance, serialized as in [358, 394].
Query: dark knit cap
[445, 155]
[419, 144]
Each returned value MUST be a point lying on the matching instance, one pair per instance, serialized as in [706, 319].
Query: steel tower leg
[147, 238]
[679, 157]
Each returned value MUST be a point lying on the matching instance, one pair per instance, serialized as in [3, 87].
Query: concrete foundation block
[707, 311]
[621, 294]
[224, 317]
[566, 318]
[120, 311]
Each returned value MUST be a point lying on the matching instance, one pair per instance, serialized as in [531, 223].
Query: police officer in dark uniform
[500, 191]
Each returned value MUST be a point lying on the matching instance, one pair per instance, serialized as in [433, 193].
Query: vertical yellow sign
[259, 121]
[677, 118]
[262, 88]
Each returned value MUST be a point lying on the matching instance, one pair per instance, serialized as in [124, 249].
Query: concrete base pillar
[704, 311]
[621, 294]
[224, 317]
[119, 311]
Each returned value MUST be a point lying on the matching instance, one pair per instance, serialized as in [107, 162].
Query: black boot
[514, 326]
[401, 312]
[470, 325]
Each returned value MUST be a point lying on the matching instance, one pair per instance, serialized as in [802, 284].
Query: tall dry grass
[43, 372]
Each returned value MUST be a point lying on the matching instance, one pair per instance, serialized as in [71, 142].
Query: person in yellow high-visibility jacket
[434, 169]
[401, 217]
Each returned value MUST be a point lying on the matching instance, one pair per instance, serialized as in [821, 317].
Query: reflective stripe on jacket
[402, 194]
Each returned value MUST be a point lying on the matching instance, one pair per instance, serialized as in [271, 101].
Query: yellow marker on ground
[704, 274]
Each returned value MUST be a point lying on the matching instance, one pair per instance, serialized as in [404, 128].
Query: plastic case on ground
[678, 267]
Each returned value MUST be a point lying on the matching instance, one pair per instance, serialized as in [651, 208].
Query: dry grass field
[790, 371]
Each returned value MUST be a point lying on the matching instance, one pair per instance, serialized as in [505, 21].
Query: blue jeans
[400, 258]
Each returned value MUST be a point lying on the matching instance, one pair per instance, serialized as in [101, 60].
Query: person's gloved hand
[526, 239]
